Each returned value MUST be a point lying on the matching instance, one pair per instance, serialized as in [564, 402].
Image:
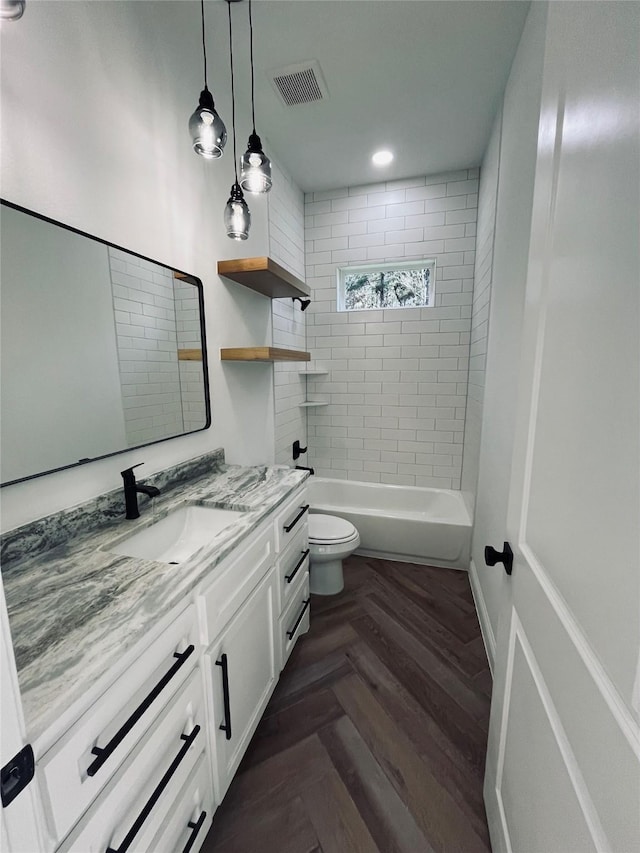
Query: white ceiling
[420, 77]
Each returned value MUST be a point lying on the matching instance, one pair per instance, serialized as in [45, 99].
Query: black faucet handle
[130, 470]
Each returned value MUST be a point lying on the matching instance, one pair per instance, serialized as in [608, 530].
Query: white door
[242, 670]
[563, 762]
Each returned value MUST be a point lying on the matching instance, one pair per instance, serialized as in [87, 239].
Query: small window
[394, 285]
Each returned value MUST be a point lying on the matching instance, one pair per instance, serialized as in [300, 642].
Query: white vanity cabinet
[79, 765]
[145, 766]
[242, 668]
[137, 800]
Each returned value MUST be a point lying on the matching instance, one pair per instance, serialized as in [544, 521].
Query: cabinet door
[242, 672]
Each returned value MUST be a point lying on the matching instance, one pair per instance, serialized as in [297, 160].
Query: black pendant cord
[253, 108]
[233, 97]
[204, 46]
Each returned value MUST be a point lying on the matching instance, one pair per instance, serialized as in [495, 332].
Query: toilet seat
[330, 530]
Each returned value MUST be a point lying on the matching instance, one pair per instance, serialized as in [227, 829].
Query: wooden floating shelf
[189, 355]
[312, 404]
[263, 354]
[264, 276]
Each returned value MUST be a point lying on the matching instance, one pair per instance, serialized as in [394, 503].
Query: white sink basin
[177, 536]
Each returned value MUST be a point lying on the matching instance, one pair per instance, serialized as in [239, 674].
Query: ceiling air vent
[301, 83]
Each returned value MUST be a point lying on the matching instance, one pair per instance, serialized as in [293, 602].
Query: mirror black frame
[188, 277]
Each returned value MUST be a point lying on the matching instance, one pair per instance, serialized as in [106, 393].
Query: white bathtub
[430, 526]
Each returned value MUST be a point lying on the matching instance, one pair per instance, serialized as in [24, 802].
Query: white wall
[59, 360]
[286, 247]
[518, 130]
[96, 98]
[397, 382]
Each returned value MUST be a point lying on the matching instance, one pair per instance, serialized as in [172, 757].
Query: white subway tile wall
[191, 372]
[286, 247]
[480, 313]
[146, 337]
[397, 378]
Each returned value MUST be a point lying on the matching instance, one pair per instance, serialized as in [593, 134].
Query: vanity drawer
[295, 620]
[137, 801]
[291, 518]
[233, 585]
[186, 826]
[71, 774]
[292, 565]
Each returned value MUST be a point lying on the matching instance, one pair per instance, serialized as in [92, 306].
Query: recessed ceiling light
[382, 158]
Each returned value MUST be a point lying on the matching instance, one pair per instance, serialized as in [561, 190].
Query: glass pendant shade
[11, 10]
[208, 133]
[237, 218]
[255, 168]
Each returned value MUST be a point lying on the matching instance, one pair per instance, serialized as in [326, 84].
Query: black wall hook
[304, 303]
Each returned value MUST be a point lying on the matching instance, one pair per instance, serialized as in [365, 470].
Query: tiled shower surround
[286, 247]
[396, 384]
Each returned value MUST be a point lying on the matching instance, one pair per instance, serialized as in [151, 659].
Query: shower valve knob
[491, 557]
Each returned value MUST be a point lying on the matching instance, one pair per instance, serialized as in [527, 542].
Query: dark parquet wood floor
[375, 736]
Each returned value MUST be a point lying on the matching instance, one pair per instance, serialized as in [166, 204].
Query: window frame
[343, 271]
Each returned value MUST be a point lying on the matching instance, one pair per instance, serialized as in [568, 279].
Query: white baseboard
[488, 636]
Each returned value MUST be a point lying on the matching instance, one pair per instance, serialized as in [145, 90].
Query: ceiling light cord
[253, 100]
[233, 96]
[204, 46]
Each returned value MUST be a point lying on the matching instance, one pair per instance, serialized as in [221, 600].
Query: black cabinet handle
[306, 603]
[289, 527]
[491, 557]
[226, 726]
[153, 799]
[290, 577]
[104, 752]
[196, 827]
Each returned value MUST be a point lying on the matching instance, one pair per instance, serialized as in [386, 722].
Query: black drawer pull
[304, 556]
[306, 603]
[153, 799]
[226, 726]
[196, 827]
[289, 527]
[104, 752]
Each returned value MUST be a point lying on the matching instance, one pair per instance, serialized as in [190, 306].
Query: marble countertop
[76, 608]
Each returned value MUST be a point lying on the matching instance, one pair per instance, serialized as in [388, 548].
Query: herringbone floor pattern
[375, 736]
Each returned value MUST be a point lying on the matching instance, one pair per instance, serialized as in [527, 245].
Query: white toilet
[331, 539]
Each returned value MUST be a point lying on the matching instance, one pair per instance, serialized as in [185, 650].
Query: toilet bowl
[331, 539]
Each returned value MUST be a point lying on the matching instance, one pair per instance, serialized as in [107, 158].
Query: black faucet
[131, 489]
[304, 468]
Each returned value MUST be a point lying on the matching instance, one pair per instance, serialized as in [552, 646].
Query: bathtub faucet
[304, 468]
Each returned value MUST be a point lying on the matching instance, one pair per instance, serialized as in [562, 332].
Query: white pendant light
[255, 166]
[237, 218]
[208, 133]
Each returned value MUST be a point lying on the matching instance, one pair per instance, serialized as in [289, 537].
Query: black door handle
[104, 752]
[153, 799]
[289, 527]
[195, 829]
[303, 557]
[491, 557]
[226, 725]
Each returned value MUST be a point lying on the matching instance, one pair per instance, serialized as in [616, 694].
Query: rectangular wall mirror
[102, 350]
